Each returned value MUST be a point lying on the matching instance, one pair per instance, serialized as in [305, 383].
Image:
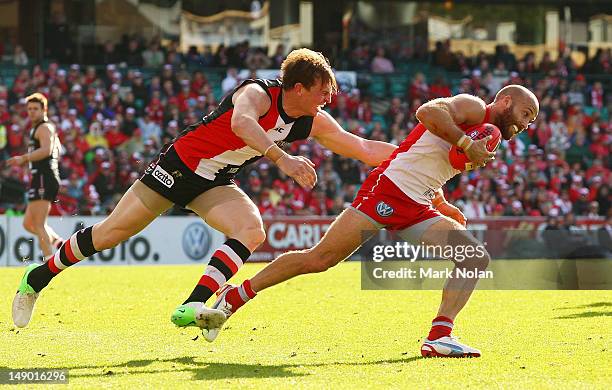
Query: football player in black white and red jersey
[43, 159]
[196, 172]
[404, 194]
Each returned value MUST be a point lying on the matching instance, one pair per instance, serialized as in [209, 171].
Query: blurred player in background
[196, 171]
[42, 156]
[405, 194]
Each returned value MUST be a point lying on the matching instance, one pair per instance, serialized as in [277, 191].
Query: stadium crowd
[112, 122]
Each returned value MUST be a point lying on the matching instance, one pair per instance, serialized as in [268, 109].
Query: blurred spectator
[192, 57]
[442, 56]
[380, 63]
[20, 58]
[419, 88]
[221, 57]
[258, 59]
[95, 137]
[207, 58]
[230, 81]
[597, 95]
[72, 121]
[153, 57]
[133, 56]
[103, 181]
[149, 129]
[129, 125]
[4, 152]
[113, 135]
[5, 115]
[168, 75]
[108, 55]
[278, 57]
[581, 205]
[439, 88]
[579, 152]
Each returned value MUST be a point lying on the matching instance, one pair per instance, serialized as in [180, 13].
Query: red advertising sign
[290, 233]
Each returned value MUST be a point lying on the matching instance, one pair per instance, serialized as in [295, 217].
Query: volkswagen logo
[383, 209]
[196, 241]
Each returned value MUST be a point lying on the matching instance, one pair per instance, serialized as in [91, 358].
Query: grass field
[109, 326]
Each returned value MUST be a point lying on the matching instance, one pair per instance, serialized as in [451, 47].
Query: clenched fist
[299, 168]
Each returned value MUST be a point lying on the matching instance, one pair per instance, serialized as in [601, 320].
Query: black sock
[224, 264]
[78, 247]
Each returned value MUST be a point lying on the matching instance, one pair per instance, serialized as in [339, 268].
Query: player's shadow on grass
[587, 314]
[590, 305]
[204, 370]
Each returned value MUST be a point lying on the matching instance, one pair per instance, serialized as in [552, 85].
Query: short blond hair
[306, 66]
[38, 98]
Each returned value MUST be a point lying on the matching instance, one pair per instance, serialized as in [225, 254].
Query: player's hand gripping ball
[457, 157]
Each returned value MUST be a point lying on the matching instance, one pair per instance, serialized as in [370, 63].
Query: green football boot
[196, 314]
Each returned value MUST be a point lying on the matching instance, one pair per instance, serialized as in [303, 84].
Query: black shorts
[172, 179]
[44, 186]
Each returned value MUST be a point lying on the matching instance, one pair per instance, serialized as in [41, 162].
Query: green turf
[109, 326]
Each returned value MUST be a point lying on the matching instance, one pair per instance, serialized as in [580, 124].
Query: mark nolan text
[430, 273]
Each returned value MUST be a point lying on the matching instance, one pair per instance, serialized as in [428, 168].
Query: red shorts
[381, 200]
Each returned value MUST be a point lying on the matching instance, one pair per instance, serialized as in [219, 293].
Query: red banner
[290, 233]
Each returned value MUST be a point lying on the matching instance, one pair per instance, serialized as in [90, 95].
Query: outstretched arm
[330, 134]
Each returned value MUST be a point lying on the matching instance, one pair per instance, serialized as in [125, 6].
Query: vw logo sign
[196, 241]
[383, 209]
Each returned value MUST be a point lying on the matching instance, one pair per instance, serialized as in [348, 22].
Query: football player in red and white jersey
[404, 194]
[196, 171]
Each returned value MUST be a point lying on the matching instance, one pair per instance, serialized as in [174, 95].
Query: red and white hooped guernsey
[213, 151]
[420, 165]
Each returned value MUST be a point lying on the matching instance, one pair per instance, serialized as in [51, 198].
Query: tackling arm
[330, 134]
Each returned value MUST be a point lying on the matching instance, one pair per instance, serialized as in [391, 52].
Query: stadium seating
[505, 188]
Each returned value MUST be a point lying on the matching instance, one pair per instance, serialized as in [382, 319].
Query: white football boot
[447, 346]
[224, 306]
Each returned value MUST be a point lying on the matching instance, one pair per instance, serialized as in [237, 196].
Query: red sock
[440, 327]
[240, 295]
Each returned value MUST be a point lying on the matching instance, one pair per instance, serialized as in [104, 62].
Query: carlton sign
[291, 233]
